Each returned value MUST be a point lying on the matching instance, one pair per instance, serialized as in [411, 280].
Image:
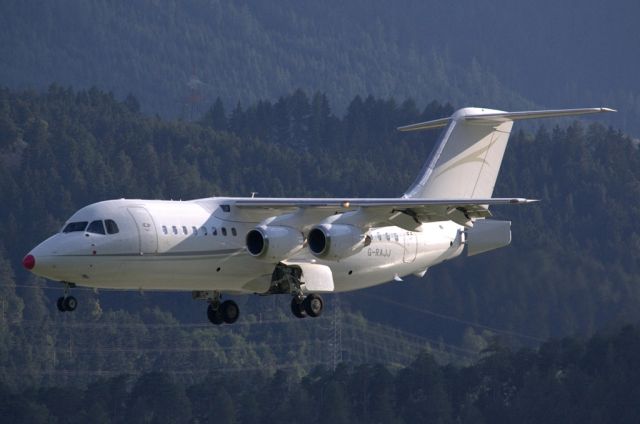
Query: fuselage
[200, 245]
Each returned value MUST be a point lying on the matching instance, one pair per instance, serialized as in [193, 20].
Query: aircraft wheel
[70, 303]
[214, 313]
[230, 311]
[297, 308]
[60, 304]
[313, 305]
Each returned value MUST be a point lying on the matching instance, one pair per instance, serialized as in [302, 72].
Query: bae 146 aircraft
[302, 247]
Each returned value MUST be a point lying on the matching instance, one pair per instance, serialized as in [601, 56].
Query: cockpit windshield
[96, 227]
[75, 226]
[112, 227]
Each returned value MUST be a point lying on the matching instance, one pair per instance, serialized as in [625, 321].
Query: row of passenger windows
[95, 227]
[203, 231]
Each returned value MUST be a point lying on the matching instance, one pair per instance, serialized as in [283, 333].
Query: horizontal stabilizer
[438, 123]
[479, 115]
[534, 114]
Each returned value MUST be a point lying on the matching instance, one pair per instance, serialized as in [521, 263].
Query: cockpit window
[75, 226]
[96, 227]
[112, 227]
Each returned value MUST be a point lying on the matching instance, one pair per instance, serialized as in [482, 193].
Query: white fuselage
[198, 245]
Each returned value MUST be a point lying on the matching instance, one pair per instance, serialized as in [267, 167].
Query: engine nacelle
[274, 242]
[336, 241]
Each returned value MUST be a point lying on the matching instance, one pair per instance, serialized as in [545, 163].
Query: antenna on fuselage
[253, 194]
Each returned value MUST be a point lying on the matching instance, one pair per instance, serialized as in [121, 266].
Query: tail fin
[467, 159]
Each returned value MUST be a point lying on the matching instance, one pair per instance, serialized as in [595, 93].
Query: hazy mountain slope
[240, 51]
[176, 57]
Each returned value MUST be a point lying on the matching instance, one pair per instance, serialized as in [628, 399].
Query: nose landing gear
[67, 303]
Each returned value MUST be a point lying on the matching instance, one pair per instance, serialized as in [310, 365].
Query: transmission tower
[336, 341]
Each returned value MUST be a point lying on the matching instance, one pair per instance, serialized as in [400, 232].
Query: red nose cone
[29, 262]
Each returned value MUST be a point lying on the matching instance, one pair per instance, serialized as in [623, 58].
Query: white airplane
[302, 247]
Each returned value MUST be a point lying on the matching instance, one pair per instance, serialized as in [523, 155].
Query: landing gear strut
[311, 306]
[67, 303]
[297, 307]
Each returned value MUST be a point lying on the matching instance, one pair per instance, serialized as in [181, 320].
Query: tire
[230, 311]
[214, 314]
[60, 304]
[313, 305]
[297, 309]
[70, 303]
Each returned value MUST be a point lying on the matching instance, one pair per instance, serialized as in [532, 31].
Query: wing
[408, 213]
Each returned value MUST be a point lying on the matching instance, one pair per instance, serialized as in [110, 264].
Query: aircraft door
[410, 247]
[147, 234]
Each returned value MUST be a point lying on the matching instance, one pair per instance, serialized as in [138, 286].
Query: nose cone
[29, 262]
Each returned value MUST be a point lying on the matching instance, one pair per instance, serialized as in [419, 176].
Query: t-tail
[467, 158]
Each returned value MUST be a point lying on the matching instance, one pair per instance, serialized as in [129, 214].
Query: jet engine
[274, 242]
[336, 241]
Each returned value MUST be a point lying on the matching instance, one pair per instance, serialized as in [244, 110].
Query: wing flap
[407, 213]
[353, 203]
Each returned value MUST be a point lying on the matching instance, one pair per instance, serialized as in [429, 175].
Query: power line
[195, 371]
[380, 298]
[455, 319]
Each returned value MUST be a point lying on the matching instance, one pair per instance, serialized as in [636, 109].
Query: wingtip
[607, 109]
[521, 201]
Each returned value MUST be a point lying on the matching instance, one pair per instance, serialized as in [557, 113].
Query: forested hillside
[572, 268]
[176, 57]
[567, 381]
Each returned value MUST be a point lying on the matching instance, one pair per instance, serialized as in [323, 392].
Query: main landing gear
[67, 303]
[218, 312]
[226, 312]
[287, 280]
[311, 306]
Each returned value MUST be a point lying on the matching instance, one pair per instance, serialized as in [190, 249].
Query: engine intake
[273, 242]
[335, 241]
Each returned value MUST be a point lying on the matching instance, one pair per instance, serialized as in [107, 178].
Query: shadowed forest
[568, 381]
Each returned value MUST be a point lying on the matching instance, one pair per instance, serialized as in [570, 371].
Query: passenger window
[175, 230]
[96, 227]
[224, 231]
[396, 237]
[204, 230]
[379, 236]
[233, 231]
[214, 231]
[164, 229]
[75, 226]
[195, 231]
[112, 227]
[184, 230]
[388, 237]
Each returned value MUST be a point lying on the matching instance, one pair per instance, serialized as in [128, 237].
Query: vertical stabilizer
[467, 158]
